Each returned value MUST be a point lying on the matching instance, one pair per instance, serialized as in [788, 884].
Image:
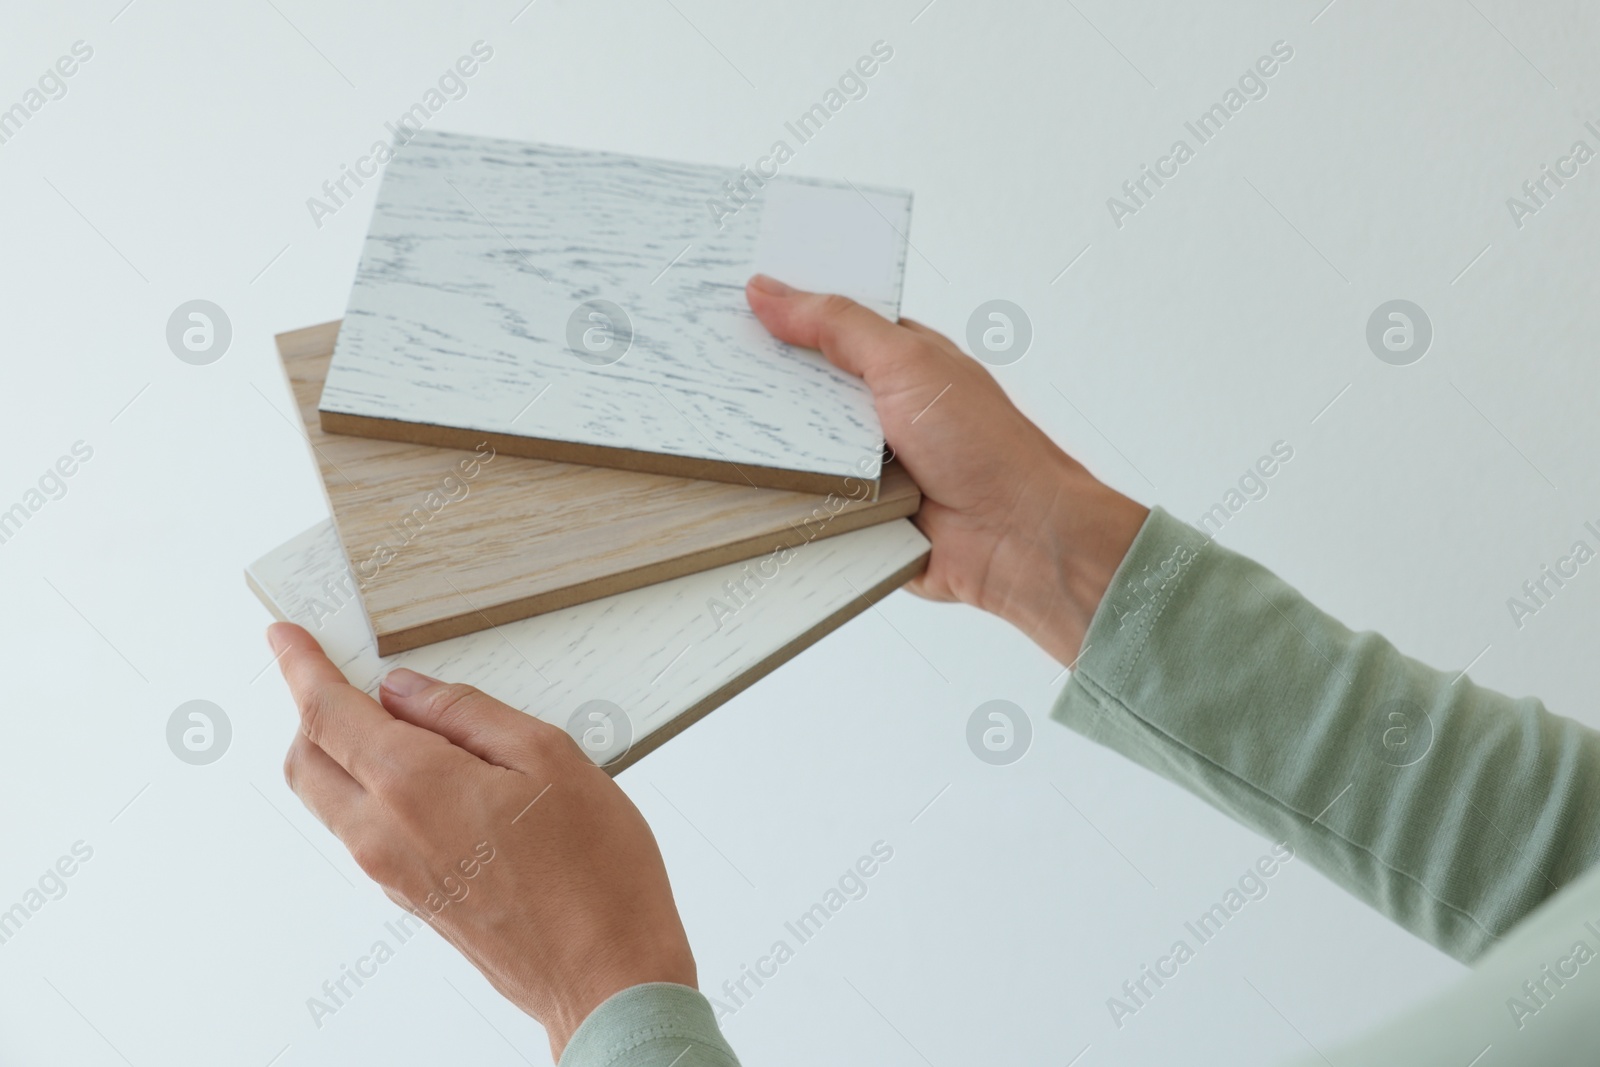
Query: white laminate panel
[481, 251]
[668, 650]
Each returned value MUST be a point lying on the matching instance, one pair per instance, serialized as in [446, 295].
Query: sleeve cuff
[1161, 558]
[651, 1025]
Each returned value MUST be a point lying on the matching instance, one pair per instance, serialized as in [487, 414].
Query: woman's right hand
[1019, 528]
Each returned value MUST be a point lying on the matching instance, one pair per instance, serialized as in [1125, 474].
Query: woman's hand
[491, 825]
[1019, 528]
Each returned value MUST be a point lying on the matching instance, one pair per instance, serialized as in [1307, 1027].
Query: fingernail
[404, 683]
[275, 638]
[769, 285]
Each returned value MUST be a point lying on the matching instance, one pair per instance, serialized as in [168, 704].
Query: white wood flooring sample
[665, 655]
[589, 307]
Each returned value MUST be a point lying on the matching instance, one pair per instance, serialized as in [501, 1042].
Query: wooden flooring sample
[662, 655]
[589, 307]
[446, 542]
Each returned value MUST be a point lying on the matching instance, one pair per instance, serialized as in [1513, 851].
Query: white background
[1222, 318]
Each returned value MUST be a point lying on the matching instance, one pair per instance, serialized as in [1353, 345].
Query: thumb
[854, 338]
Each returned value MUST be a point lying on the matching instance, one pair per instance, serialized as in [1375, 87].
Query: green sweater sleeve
[654, 1025]
[1451, 809]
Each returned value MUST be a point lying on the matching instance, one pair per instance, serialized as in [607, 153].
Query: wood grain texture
[662, 654]
[446, 542]
[481, 252]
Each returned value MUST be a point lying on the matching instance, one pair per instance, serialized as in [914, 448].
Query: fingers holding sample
[374, 747]
[491, 730]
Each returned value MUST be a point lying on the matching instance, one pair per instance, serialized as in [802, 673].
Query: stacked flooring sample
[487, 262]
[444, 542]
[654, 527]
[657, 652]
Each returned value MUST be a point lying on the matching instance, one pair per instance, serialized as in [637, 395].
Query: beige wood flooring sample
[444, 542]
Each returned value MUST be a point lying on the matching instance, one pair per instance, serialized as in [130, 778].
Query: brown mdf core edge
[473, 619]
[423, 433]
